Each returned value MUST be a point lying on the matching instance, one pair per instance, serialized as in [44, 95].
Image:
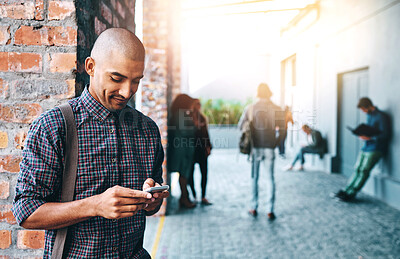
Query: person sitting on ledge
[315, 146]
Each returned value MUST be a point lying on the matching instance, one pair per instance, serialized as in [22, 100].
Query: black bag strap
[69, 174]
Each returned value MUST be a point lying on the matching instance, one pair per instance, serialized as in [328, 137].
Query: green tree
[223, 112]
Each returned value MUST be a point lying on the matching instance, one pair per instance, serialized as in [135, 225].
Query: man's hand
[115, 203]
[157, 197]
[365, 138]
[120, 202]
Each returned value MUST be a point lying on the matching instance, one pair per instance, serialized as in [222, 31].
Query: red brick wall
[161, 37]
[162, 74]
[38, 41]
[43, 45]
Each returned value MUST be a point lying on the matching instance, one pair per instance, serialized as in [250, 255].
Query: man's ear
[89, 66]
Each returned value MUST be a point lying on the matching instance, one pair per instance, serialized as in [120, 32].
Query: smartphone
[157, 189]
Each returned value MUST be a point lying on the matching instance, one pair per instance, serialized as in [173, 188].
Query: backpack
[246, 142]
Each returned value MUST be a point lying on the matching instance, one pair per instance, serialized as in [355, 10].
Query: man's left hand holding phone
[157, 197]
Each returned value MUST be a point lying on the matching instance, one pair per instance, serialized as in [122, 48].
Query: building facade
[331, 54]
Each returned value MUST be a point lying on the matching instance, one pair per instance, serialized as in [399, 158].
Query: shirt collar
[94, 107]
[263, 100]
[101, 113]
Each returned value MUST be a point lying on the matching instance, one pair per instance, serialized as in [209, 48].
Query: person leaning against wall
[264, 116]
[119, 156]
[374, 149]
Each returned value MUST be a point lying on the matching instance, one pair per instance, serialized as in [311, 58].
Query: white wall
[350, 35]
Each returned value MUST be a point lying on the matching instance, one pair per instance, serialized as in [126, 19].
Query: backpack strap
[251, 111]
[69, 173]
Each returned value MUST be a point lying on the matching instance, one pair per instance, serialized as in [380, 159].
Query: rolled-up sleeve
[243, 118]
[158, 163]
[39, 177]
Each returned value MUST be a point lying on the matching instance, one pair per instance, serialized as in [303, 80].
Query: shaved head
[117, 40]
[115, 67]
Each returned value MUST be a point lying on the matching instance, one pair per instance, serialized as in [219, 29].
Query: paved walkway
[309, 223]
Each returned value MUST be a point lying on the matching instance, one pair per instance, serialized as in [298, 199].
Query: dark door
[352, 86]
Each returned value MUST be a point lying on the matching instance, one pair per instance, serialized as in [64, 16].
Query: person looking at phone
[120, 155]
[372, 151]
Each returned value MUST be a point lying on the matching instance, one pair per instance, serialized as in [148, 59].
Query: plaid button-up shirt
[124, 150]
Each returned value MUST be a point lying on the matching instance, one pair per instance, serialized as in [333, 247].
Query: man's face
[365, 110]
[115, 80]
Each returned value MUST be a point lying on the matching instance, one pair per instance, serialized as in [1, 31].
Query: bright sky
[216, 45]
[216, 40]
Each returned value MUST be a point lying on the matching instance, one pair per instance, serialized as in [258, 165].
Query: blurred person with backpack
[262, 117]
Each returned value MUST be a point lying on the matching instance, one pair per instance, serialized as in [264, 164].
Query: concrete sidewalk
[309, 223]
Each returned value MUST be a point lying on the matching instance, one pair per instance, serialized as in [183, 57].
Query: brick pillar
[174, 50]
[162, 73]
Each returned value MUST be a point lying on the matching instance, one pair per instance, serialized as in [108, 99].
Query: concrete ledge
[384, 188]
[224, 136]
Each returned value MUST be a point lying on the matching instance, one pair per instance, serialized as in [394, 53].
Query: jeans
[365, 162]
[300, 154]
[282, 140]
[267, 157]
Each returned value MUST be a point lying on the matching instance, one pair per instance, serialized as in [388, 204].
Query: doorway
[351, 87]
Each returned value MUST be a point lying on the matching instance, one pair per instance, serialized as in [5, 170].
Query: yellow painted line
[161, 224]
[158, 237]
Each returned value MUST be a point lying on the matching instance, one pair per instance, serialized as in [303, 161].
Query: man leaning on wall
[120, 155]
[374, 148]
